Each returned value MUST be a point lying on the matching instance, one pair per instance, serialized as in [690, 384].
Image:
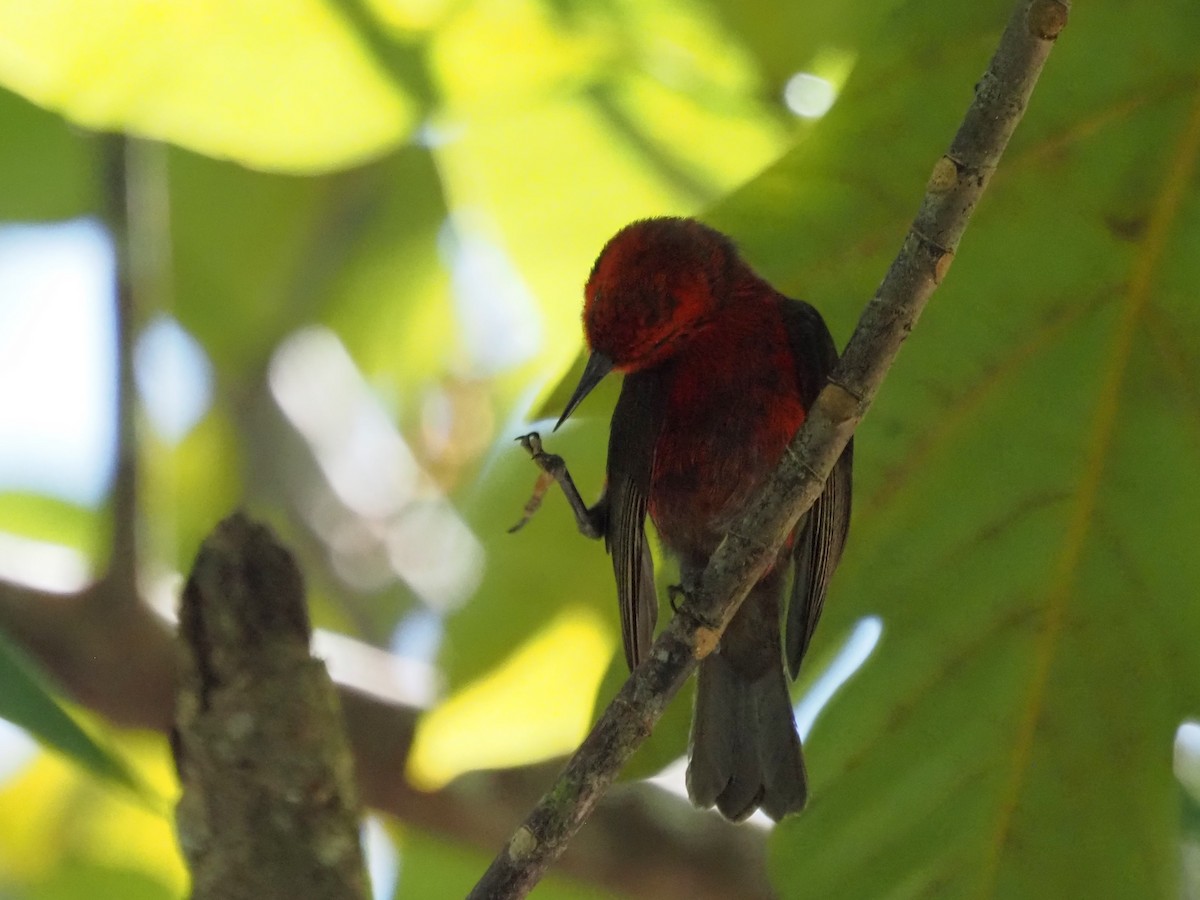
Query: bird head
[655, 283]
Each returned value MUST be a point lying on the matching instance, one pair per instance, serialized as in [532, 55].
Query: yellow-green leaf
[276, 84]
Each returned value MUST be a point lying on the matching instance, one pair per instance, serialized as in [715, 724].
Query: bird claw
[532, 442]
[554, 469]
[550, 463]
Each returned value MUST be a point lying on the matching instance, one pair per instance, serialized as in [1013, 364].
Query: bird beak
[598, 365]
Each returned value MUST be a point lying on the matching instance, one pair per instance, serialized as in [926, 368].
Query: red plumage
[719, 371]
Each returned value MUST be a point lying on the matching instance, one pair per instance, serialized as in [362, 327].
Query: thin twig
[954, 189]
[122, 561]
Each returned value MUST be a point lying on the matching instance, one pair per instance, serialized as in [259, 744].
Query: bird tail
[744, 751]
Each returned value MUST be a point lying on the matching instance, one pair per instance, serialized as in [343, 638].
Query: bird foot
[549, 464]
[554, 469]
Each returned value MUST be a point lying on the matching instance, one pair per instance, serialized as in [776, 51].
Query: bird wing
[636, 422]
[822, 533]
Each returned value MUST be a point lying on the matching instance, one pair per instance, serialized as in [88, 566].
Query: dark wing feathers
[635, 427]
[816, 553]
[822, 533]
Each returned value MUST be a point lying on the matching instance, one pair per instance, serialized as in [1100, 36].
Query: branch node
[944, 175]
[522, 844]
[936, 248]
[840, 401]
[801, 463]
[940, 256]
[942, 265]
[637, 712]
[689, 610]
[1047, 18]
[707, 640]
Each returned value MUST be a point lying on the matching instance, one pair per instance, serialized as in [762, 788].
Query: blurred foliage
[29, 701]
[428, 181]
[437, 868]
[283, 84]
[492, 723]
[65, 834]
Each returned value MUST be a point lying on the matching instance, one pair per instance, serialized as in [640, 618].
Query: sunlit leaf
[652, 112]
[277, 85]
[526, 710]
[71, 826]
[52, 521]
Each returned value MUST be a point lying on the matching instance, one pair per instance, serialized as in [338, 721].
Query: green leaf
[28, 701]
[73, 878]
[389, 303]
[279, 84]
[45, 170]
[248, 256]
[430, 867]
[193, 485]
[53, 521]
[1025, 520]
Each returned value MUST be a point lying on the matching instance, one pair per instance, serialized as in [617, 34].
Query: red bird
[720, 369]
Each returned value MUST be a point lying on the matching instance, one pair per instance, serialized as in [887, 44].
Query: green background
[1025, 522]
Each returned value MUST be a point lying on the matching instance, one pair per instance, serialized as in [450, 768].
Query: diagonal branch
[954, 189]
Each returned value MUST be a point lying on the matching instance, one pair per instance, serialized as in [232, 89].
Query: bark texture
[269, 806]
